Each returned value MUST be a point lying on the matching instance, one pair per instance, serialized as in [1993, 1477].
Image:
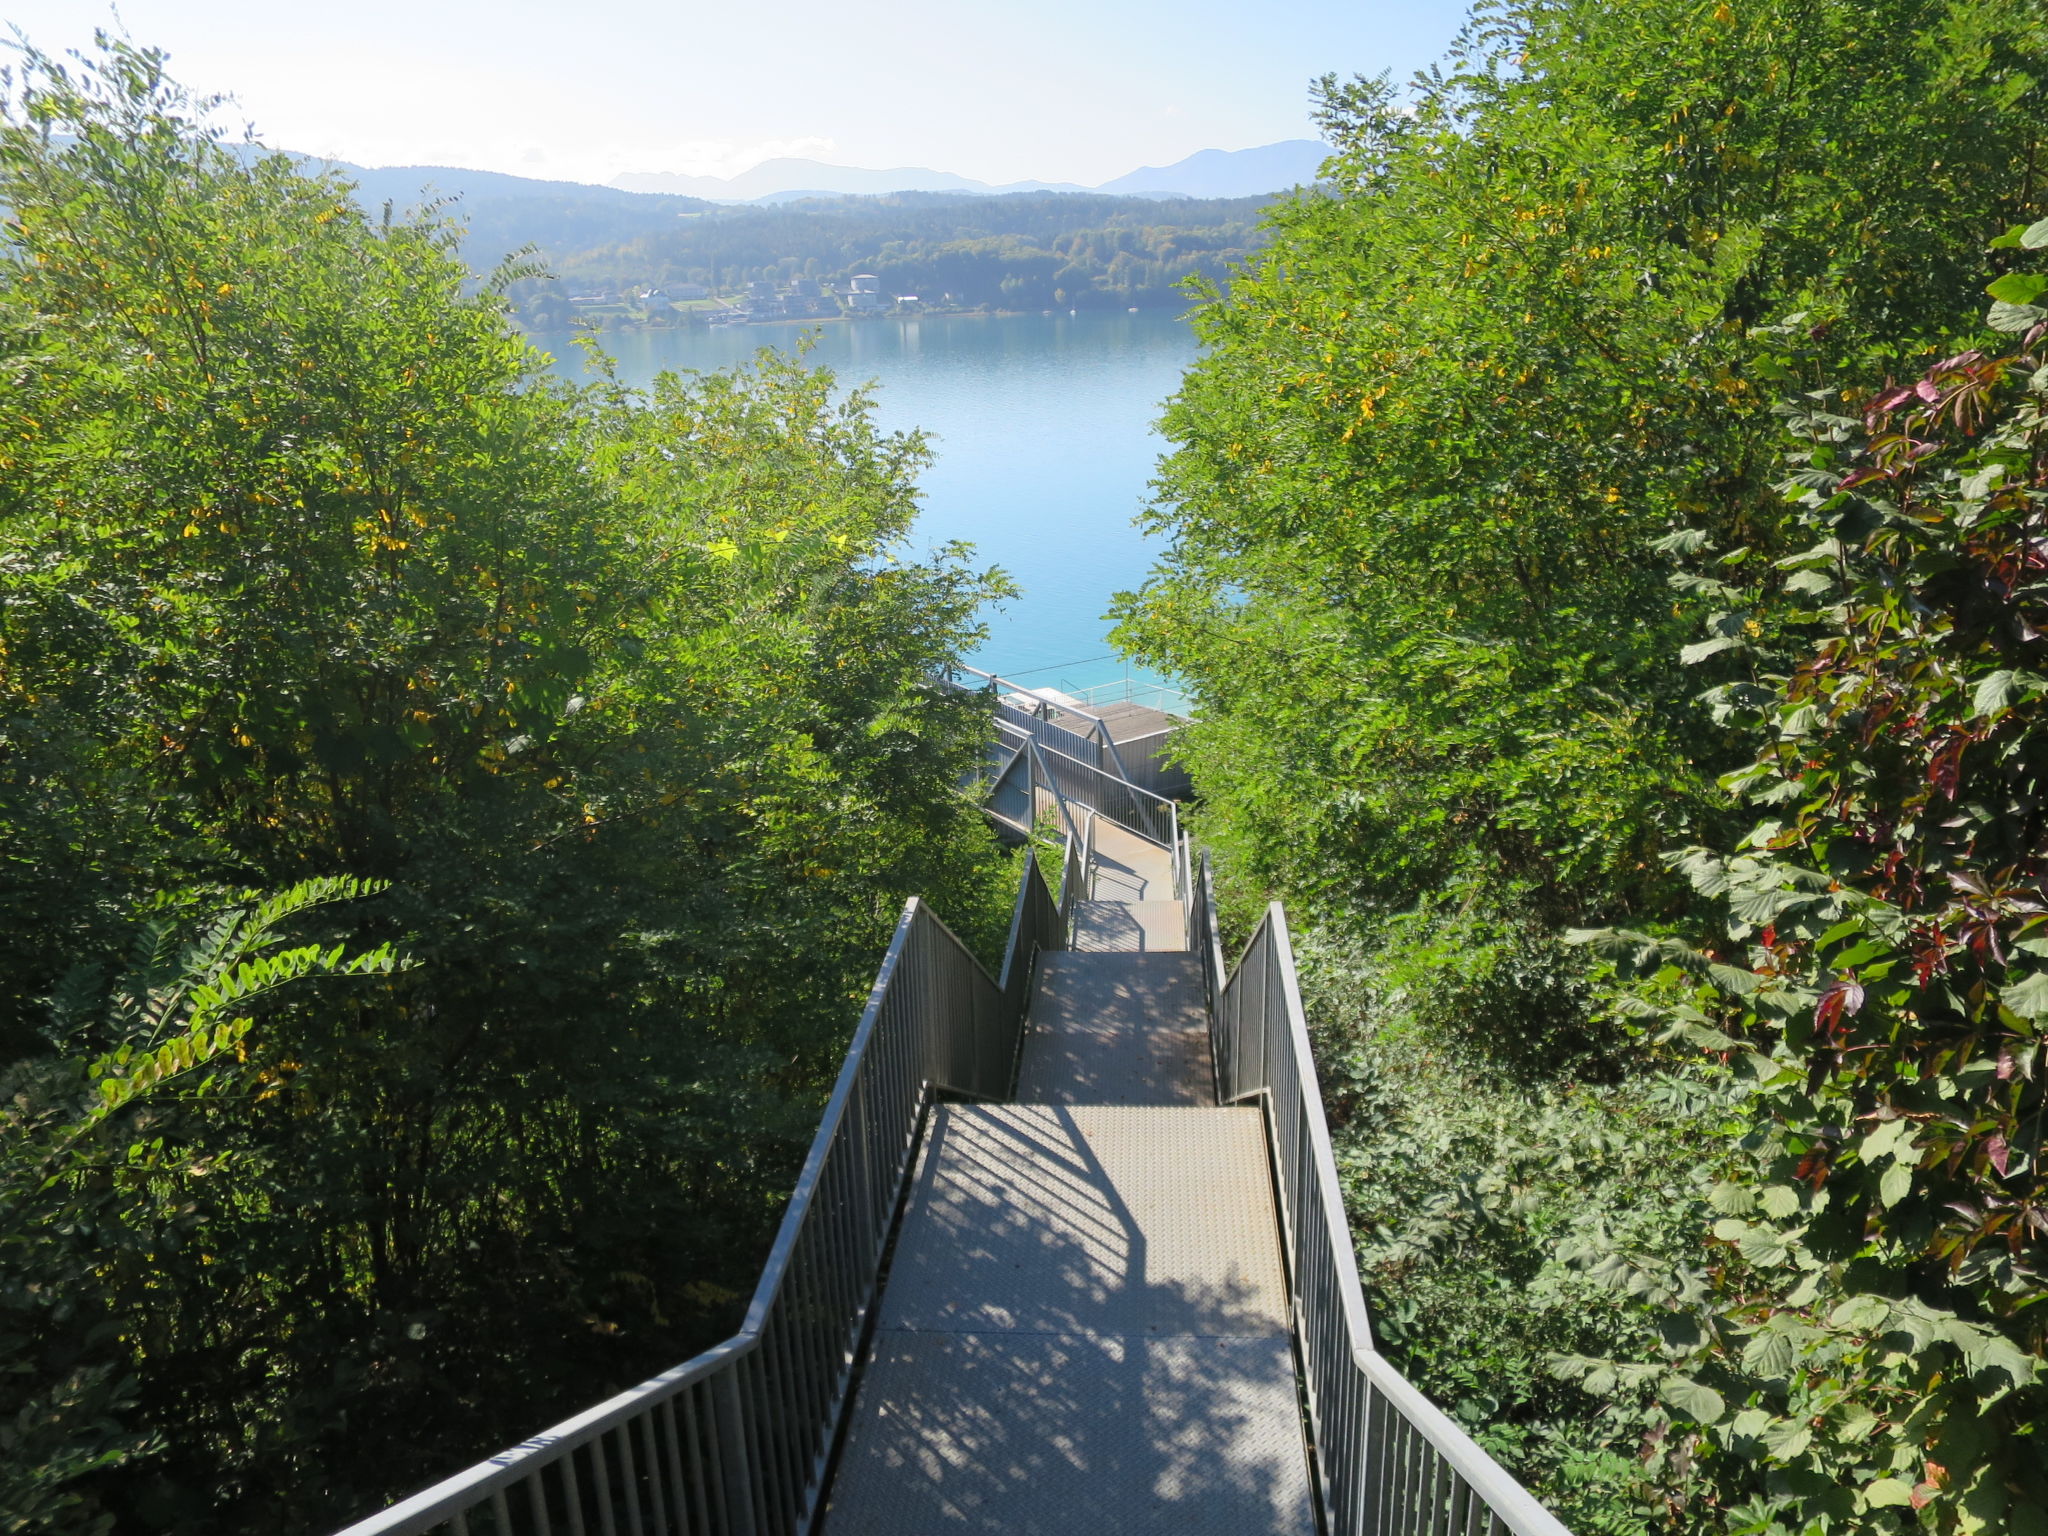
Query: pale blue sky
[1061, 90]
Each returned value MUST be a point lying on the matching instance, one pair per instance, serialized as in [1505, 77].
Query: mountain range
[1206, 173]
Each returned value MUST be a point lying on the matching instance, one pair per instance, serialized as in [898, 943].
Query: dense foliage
[1876, 1328]
[619, 699]
[1452, 426]
[1020, 251]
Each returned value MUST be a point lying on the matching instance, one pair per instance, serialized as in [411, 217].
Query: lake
[1042, 427]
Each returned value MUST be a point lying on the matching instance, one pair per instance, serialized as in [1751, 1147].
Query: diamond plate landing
[1130, 927]
[1117, 1029]
[1090, 1221]
[1036, 1435]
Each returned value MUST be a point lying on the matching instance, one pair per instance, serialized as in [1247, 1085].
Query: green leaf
[1769, 1354]
[2027, 997]
[1750, 1423]
[2035, 236]
[2014, 318]
[1693, 654]
[1788, 1439]
[1995, 690]
[1896, 1184]
[2019, 287]
[1862, 1313]
[1697, 1401]
[1780, 1200]
[1887, 1493]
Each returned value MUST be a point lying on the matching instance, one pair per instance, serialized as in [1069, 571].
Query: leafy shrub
[1477, 1194]
[1871, 1353]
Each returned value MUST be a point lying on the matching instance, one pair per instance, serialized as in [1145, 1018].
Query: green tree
[312, 571]
[1442, 417]
[1514, 343]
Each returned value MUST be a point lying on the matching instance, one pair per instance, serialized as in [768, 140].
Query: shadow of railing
[1052, 1358]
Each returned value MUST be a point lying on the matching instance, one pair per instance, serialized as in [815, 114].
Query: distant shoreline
[919, 314]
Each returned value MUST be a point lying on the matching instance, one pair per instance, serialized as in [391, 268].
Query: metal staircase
[1068, 1255]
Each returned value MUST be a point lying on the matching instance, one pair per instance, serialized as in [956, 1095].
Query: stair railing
[1390, 1460]
[1097, 747]
[735, 1442]
[1077, 873]
[1038, 775]
[1151, 816]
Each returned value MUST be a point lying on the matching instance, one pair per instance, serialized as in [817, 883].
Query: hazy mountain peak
[1228, 172]
[782, 176]
[1206, 173]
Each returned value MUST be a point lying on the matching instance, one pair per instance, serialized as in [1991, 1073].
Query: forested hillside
[1606, 547]
[448, 821]
[1047, 250]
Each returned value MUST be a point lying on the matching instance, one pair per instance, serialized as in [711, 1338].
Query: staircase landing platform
[1085, 1329]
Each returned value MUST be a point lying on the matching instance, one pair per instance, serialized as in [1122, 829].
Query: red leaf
[1999, 1153]
[1843, 997]
[1926, 391]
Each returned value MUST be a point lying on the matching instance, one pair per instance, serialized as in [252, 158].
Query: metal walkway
[1085, 1324]
[1068, 1254]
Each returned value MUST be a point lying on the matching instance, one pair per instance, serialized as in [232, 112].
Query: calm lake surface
[1042, 426]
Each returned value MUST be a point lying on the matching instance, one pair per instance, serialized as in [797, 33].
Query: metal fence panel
[1391, 1463]
[1151, 816]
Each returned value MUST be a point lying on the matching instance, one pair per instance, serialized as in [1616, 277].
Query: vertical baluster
[574, 1493]
[769, 1481]
[1404, 1479]
[501, 1517]
[706, 1494]
[662, 1494]
[629, 1477]
[672, 1458]
[1350, 1518]
[1440, 1478]
[601, 1480]
[1471, 1510]
[537, 1501]
[735, 1453]
[768, 1381]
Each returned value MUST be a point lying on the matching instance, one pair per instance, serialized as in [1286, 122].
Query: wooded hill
[1050, 250]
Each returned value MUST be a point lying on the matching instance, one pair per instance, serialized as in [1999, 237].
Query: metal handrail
[1033, 771]
[1074, 873]
[736, 1440]
[1107, 745]
[1132, 807]
[1390, 1460]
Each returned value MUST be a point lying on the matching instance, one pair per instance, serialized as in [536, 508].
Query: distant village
[800, 298]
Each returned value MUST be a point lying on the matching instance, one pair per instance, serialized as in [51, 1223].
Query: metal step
[1117, 1029]
[1113, 927]
[1085, 1329]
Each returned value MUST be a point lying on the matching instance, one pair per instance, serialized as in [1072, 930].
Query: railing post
[734, 1468]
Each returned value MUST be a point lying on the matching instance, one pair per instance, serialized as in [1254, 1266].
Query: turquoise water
[1042, 426]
